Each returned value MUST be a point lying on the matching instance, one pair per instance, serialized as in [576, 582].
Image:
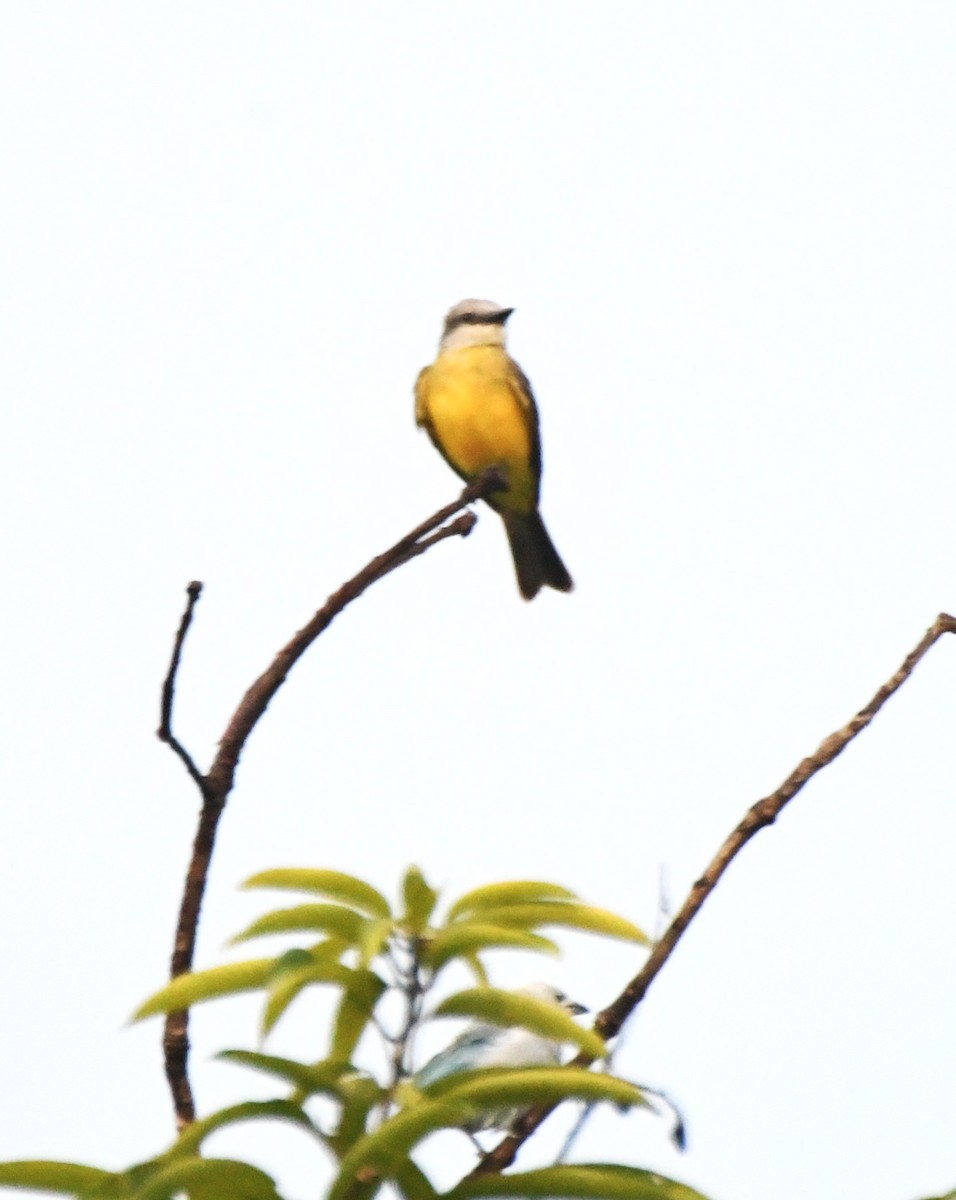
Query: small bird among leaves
[483, 1045]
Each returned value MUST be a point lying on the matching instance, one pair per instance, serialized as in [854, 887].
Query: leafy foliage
[584, 1180]
[357, 945]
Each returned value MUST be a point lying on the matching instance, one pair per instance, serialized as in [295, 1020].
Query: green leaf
[521, 1087]
[355, 1010]
[464, 939]
[508, 1008]
[127, 1184]
[322, 969]
[296, 958]
[198, 986]
[330, 950]
[381, 1153]
[309, 1079]
[420, 901]
[568, 915]
[71, 1178]
[208, 1179]
[284, 986]
[478, 970]
[372, 938]
[413, 1183]
[579, 1182]
[344, 923]
[193, 1136]
[360, 1094]
[497, 895]
[333, 884]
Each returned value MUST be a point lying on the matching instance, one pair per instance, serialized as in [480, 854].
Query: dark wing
[525, 397]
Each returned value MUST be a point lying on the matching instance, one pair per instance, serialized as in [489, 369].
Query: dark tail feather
[537, 563]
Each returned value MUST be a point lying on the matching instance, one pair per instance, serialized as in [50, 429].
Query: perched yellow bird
[478, 409]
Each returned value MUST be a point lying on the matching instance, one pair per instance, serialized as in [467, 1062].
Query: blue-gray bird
[482, 1044]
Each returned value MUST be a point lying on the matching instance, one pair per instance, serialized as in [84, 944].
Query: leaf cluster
[356, 943]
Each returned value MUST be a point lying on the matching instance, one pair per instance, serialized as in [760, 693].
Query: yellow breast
[473, 402]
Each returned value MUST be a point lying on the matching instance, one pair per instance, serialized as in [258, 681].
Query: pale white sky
[230, 231]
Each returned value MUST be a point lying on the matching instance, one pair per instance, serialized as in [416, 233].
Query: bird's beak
[574, 1008]
[502, 315]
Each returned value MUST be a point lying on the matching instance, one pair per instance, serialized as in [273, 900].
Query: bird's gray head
[474, 323]
[550, 995]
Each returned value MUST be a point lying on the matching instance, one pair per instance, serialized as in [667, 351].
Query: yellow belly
[472, 405]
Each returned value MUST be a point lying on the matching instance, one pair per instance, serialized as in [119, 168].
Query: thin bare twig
[678, 1133]
[254, 703]
[175, 1040]
[165, 730]
[588, 1110]
[609, 1022]
[217, 783]
[413, 982]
